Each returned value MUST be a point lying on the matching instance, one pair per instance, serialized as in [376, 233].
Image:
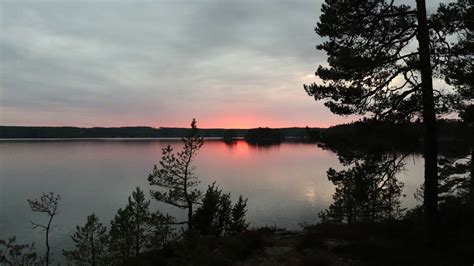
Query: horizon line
[163, 127]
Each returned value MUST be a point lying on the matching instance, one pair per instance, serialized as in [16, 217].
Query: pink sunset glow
[236, 65]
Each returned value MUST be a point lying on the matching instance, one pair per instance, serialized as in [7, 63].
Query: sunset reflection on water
[285, 184]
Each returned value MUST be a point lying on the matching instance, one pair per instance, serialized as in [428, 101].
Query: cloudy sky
[160, 63]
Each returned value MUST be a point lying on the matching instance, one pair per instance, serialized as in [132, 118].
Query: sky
[231, 64]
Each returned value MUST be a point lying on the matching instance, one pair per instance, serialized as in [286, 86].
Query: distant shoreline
[361, 133]
[103, 139]
[27, 132]
[288, 139]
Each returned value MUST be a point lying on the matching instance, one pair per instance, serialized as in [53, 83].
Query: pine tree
[90, 242]
[17, 254]
[140, 218]
[161, 232]
[205, 217]
[122, 235]
[239, 211]
[47, 204]
[217, 217]
[452, 40]
[451, 33]
[176, 176]
[224, 215]
[374, 71]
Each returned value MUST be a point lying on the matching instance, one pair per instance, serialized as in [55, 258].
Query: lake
[286, 185]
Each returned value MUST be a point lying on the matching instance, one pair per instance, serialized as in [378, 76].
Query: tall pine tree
[373, 69]
[176, 178]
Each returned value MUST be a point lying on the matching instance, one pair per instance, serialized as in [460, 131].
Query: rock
[332, 243]
[277, 251]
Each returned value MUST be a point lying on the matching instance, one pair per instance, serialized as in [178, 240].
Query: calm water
[285, 184]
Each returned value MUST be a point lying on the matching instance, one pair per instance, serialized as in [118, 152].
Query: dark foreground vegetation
[384, 135]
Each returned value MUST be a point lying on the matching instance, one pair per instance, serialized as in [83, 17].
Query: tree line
[131, 132]
[370, 135]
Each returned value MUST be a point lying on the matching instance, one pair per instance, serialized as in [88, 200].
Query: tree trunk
[429, 120]
[188, 200]
[190, 216]
[47, 246]
[47, 238]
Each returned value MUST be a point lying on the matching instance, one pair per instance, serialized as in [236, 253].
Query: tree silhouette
[367, 192]
[373, 70]
[139, 209]
[224, 215]
[229, 135]
[217, 217]
[238, 216]
[17, 254]
[263, 136]
[47, 204]
[206, 216]
[452, 34]
[149, 227]
[135, 228]
[176, 175]
[122, 236]
[161, 233]
[454, 21]
[90, 243]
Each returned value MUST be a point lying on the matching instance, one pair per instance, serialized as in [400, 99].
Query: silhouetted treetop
[372, 67]
[47, 204]
[366, 54]
[175, 175]
[90, 243]
[12, 253]
[452, 40]
[264, 135]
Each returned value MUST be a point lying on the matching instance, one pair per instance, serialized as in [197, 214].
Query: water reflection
[241, 146]
[368, 191]
[286, 184]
